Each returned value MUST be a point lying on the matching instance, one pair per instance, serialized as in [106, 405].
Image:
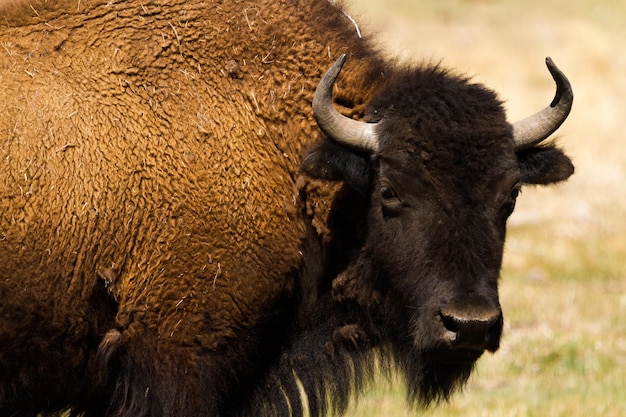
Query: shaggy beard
[430, 381]
[329, 381]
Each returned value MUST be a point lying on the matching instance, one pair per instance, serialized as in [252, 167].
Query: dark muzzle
[464, 330]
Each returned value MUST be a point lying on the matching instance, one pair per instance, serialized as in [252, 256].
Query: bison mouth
[457, 356]
[440, 367]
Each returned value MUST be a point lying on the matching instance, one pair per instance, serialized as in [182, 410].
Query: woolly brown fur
[128, 148]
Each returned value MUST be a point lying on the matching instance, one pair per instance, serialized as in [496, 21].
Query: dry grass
[564, 280]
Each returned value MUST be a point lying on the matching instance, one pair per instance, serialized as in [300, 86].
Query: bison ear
[544, 165]
[334, 162]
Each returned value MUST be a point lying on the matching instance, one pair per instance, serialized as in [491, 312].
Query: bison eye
[390, 201]
[387, 192]
[509, 206]
[515, 192]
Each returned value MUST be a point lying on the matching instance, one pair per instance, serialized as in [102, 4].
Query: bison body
[178, 237]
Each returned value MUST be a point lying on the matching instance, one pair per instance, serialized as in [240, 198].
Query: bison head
[439, 169]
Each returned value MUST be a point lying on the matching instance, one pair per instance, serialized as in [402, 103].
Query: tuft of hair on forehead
[436, 93]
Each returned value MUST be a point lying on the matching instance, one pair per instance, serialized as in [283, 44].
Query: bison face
[438, 252]
[441, 169]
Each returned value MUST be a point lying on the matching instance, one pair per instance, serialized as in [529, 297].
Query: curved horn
[341, 129]
[536, 128]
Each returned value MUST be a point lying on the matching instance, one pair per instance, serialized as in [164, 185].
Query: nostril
[449, 323]
[492, 339]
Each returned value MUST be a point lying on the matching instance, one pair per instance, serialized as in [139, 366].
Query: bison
[193, 224]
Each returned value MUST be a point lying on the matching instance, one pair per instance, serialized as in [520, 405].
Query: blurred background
[563, 287]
